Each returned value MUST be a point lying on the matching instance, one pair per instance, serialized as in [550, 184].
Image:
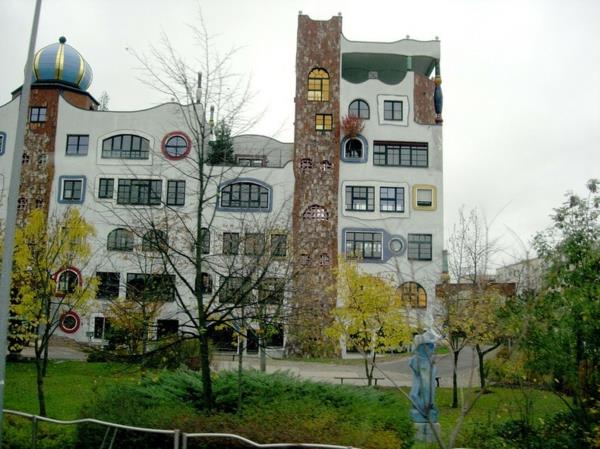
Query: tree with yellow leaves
[370, 315]
[45, 283]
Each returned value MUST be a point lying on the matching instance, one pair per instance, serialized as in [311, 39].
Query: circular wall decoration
[70, 322]
[176, 145]
[397, 245]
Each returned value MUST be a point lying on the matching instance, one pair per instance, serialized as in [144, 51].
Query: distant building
[527, 274]
[375, 194]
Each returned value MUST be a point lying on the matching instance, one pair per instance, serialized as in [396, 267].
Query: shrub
[17, 435]
[276, 408]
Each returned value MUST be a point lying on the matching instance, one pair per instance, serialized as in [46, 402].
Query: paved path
[396, 370]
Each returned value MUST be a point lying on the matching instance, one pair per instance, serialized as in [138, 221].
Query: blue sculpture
[422, 393]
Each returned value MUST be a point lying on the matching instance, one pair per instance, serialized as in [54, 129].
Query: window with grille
[126, 146]
[254, 244]
[175, 193]
[359, 108]
[146, 287]
[318, 85]
[231, 243]
[67, 282]
[392, 110]
[278, 245]
[315, 212]
[360, 198]
[108, 285]
[365, 245]
[391, 199]
[37, 114]
[207, 284]
[120, 240]
[401, 154]
[139, 192]
[77, 144]
[413, 295]
[205, 241]
[154, 240]
[245, 195]
[106, 187]
[419, 246]
[72, 190]
[323, 122]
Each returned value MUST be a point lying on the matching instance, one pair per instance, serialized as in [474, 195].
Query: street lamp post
[11, 209]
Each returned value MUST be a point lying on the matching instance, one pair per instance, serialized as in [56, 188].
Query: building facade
[372, 190]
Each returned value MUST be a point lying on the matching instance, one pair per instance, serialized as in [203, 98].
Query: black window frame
[397, 199]
[255, 244]
[355, 195]
[231, 243]
[425, 204]
[38, 114]
[139, 192]
[120, 239]
[108, 284]
[160, 287]
[179, 150]
[394, 112]
[68, 185]
[245, 195]
[101, 327]
[112, 147]
[279, 244]
[401, 154]
[318, 87]
[271, 291]
[176, 192]
[77, 144]
[420, 247]
[357, 241]
[71, 282]
[206, 287]
[205, 242]
[154, 240]
[106, 188]
[360, 111]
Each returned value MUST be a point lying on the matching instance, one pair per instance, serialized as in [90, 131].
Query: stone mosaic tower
[316, 171]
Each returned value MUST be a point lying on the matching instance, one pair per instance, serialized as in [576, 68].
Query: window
[315, 212]
[108, 285]
[120, 240]
[175, 193]
[231, 289]
[325, 260]
[72, 190]
[402, 154]
[248, 161]
[42, 160]
[360, 198]
[77, 145]
[353, 149]
[164, 328]
[397, 246]
[326, 166]
[207, 284]
[391, 199]
[424, 197]
[318, 85]
[37, 114]
[231, 243]
[126, 146]
[392, 110]
[139, 192]
[271, 291]
[205, 240]
[69, 322]
[67, 282]
[22, 204]
[245, 195]
[106, 188]
[25, 159]
[413, 295]
[254, 244]
[39, 203]
[306, 164]
[176, 145]
[2, 143]
[323, 122]
[419, 246]
[101, 327]
[359, 108]
[278, 245]
[154, 240]
[144, 287]
[366, 245]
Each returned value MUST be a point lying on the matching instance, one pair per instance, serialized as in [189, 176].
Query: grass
[69, 385]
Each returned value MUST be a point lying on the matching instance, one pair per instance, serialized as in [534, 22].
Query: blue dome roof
[60, 62]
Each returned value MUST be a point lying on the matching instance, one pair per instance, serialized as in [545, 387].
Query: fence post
[184, 441]
[176, 439]
[34, 426]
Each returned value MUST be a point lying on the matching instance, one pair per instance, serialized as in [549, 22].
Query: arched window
[316, 212]
[67, 282]
[154, 240]
[353, 149]
[120, 240]
[359, 108]
[413, 295]
[245, 195]
[318, 85]
[126, 146]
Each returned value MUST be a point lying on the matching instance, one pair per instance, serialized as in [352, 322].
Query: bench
[342, 378]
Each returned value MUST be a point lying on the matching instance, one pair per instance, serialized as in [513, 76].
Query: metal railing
[112, 428]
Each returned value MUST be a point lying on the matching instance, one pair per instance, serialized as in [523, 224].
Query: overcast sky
[520, 79]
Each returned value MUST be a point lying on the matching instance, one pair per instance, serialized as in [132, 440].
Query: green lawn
[70, 385]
